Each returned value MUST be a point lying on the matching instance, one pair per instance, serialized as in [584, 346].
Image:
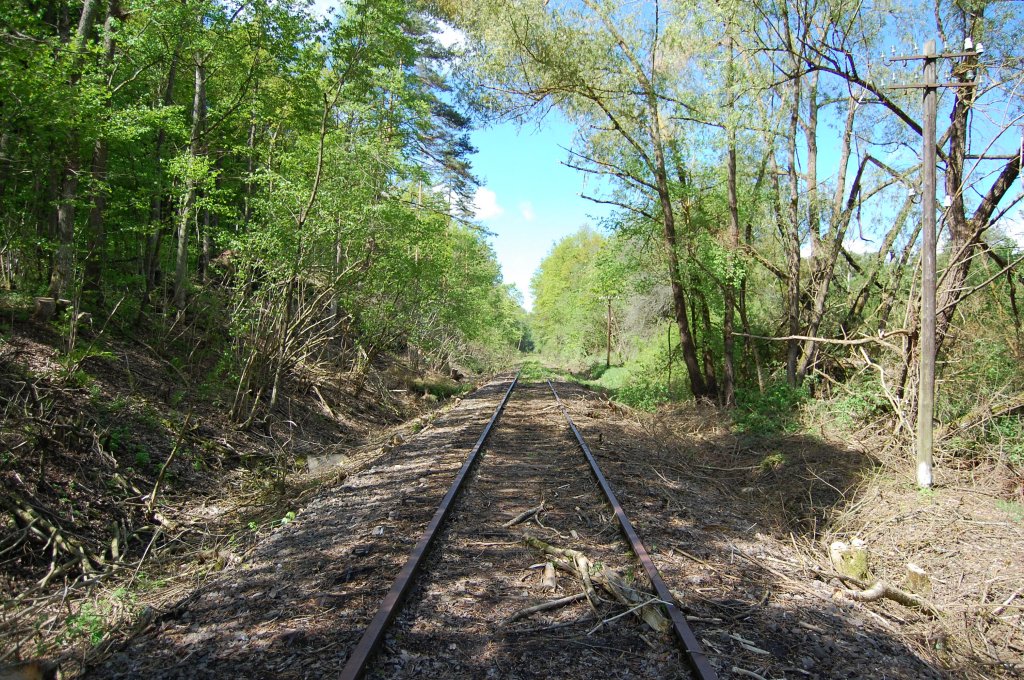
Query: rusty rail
[373, 636]
[694, 653]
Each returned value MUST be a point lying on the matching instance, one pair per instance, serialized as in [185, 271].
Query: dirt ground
[739, 528]
[126, 484]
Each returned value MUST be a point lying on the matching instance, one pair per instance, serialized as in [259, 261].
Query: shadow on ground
[721, 515]
[716, 514]
[297, 605]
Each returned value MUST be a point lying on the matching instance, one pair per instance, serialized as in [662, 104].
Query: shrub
[775, 410]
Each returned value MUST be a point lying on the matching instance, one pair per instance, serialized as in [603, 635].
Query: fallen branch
[523, 516]
[56, 538]
[579, 565]
[163, 468]
[867, 591]
[879, 340]
[544, 606]
[631, 610]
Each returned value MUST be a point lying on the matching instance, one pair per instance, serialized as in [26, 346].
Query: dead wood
[163, 468]
[545, 606]
[59, 541]
[523, 516]
[871, 592]
[550, 580]
[645, 604]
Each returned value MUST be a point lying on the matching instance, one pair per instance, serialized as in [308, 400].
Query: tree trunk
[97, 230]
[828, 251]
[63, 262]
[732, 244]
[92, 280]
[608, 343]
[191, 186]
[698, 386]
[860, 300]
[708, 358]
[793, 242]
[154, 240]
[811, 134]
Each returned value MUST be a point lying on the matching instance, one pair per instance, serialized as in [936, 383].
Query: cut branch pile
[574, 562]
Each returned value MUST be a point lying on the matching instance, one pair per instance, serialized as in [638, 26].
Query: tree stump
[46, 309]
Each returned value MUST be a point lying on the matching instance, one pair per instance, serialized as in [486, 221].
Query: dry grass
[827, 484]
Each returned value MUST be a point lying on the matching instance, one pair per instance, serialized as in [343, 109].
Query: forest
[302, 176]
[213, 213]
[765, 165]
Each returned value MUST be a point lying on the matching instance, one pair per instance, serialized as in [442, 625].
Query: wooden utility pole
[926, 381]
[926, 386]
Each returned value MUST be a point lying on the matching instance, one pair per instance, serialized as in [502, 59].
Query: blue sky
[528, 199]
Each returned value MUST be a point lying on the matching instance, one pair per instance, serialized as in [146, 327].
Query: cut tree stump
[850, 559]
[46, 309]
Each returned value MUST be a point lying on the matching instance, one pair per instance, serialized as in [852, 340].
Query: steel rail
[373, 636]
[694, 653]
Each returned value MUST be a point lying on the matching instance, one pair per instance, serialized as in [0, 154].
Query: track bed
[454, 623]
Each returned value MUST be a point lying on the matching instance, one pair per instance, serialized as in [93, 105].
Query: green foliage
[94, 619]
[1008, 432]
[570, 290]
[532, 370]
[775, 410]
[320, 175]
[773, 461]
[860, 400]
[643, 390]
[441, 388]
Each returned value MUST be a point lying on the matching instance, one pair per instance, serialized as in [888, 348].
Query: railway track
[449, 611]
[299, 602]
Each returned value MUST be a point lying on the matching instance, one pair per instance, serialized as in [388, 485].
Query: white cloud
[323, 8]
[1013, 225]
[526, 210]
[859, 246]
[450, 36]
[485, 204]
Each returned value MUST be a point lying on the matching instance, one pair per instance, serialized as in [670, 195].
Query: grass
[1012, 508]
[534, 370]
[441, 388]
